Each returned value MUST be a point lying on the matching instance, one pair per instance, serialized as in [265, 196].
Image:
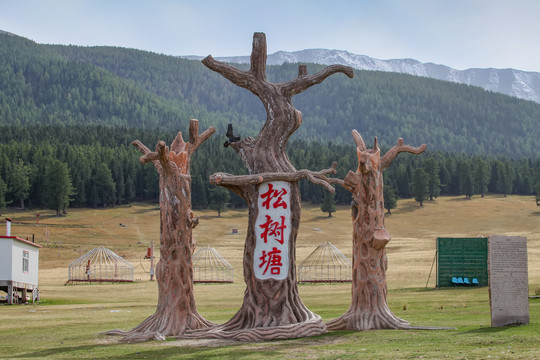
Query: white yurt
[100, 265]
[210, 267]
[326, 264]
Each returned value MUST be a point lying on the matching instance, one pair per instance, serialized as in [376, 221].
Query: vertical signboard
[272, 230]
[508, 280]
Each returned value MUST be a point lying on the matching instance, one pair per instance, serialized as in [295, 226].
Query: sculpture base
[312, 327]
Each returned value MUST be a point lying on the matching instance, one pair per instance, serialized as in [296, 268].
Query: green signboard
[462, 262]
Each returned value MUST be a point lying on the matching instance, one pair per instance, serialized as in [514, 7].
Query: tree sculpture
[369, 307]
[176, 309]
[271, 308]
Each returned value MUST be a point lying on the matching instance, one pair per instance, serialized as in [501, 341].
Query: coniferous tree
[496, 171]
[390, 197]
[58, 186]
[481, 176]
[504, 178]
[434, 183]
[105, 186]
[5, 165]
[198, 194]
[329, 203]
[219, 198]
[403, 181]
[466, 180]
[19, 182]
[119, 180]
[420, 185]
[130, 188]
[151, 181]
[42, 155]
[93, 196]
[3, 191]
[79, 191]
[537, 188]
[129, 176]
[444, 176]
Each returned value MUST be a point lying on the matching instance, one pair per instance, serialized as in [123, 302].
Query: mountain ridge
[517, 83]
[117, 87]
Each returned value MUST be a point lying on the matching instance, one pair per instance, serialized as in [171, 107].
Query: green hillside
[46, 84]
[68, 115]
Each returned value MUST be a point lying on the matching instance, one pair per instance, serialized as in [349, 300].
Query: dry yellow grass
[75, 315]
[410, 252]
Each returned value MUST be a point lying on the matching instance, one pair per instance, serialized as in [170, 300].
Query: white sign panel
[272, 229]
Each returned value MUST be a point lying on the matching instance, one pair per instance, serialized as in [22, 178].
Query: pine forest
[68, 116]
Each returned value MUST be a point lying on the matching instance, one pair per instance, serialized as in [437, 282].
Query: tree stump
[272, 308]
[369, 307]
[176, 310]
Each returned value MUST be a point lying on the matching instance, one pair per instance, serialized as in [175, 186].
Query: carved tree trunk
[369, 306]
[176, 310]
[271, 308]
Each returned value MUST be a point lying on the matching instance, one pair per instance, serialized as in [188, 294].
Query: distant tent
[324, 265]
[100, 265]
[210, 267]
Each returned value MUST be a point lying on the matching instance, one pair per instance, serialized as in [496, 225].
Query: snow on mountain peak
[517, 83]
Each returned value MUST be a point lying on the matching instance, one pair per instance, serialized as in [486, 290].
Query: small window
[26, 258]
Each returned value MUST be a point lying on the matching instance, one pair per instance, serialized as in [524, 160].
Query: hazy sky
[458, 33]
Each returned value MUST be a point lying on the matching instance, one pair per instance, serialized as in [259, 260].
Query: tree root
[361, 320]
[132, 337]
[157, 327]
[311, 327]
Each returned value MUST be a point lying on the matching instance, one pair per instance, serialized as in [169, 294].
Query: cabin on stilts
[19, 267]
[326, 264]
[100, 265]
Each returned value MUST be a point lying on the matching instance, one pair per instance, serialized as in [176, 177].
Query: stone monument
[508, 280]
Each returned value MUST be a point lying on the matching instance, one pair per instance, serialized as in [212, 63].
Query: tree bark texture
[176, 310]
[369, 307]
[271, 309]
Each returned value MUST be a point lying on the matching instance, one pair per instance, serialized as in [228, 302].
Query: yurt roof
[101, 255]
[326, 254]
[207, 256]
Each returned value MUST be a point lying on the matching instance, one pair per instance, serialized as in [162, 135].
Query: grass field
[68, 321]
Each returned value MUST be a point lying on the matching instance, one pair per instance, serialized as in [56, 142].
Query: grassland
[68, 321]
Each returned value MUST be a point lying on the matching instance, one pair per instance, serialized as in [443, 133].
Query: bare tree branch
[304, 82]
[237, 77]
[148, 155]
[360, 144]
[391, 154]
[161, 154]
[258, 57]
[316, 177]
[142, 148]
[196, 139]
[180, 151]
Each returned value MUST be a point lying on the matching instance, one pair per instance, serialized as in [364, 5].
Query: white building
[19, 266]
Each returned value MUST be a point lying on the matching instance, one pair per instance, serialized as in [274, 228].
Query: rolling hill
[128, 88]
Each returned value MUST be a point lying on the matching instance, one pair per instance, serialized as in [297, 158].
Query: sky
[461, 34]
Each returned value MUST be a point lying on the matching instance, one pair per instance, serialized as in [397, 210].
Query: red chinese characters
[271, 260]
[272, 228]
[276, 195]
